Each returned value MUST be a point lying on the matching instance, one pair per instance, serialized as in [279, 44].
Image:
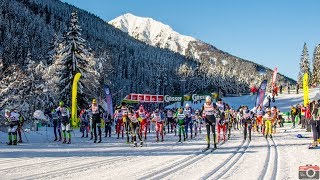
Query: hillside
[211, 58]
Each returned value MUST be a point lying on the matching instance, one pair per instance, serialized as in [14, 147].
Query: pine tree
[316, 66]
[76, 58]
[304, 64]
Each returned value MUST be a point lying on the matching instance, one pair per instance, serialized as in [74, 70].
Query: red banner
[145, 98]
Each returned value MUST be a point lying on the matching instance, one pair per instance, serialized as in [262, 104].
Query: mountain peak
[152, 32]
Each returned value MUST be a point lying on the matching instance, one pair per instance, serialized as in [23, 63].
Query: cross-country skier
[156, 117]
[12, 121]
[97, 113]
[19, 129]
[247, 122]
[170, 121]
[65, 121]
[197, 123]
[142, 113]
[221, 125]
[188, 123]
[267, 118]
[180, 119]
[134, 127]
[84, 118]
[119, 122]
[107, 123]
[259, 115]
[56, 124]
[126, 121]
[208, 111]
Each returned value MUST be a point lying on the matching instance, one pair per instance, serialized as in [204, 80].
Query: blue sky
[268, 32]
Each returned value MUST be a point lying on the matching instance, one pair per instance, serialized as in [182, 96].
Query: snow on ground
[41, 158]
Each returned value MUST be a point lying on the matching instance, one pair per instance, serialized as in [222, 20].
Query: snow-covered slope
[260, 158]
[152, 32]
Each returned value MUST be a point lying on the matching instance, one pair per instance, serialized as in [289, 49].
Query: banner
[145, 98]
[274, 77]
[305, 90]
[74, 117]
[168, 98]
[261, 93]
[198, 97]
[108, 100]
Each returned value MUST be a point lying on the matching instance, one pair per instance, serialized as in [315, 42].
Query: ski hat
[61, 103]
[208, 99]
[94, 101]
[187, 105]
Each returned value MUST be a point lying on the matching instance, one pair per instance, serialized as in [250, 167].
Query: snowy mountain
[152, 32]
[161, 35]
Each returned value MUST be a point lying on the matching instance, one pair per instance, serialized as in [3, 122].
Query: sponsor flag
[108, 100]
[305, 89]
[261, 93]
[74, 107]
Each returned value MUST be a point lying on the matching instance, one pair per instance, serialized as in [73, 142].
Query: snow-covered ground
[40, 158]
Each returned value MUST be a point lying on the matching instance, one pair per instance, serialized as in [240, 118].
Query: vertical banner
[305, 89]
[261, 93]
[108, 100]
[74, 117]
[274, 77]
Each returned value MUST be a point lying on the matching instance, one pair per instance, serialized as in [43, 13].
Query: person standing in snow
[12, 121]
[84, 118]
[97, 112]
[65, 121]
[315, 123]
[180, 121]
[208, 110]
[188, 123]
[108, 123]
[134, 124]
[259, 114]
[247, 122]
[142, 113]
[56, 124]
[170, 121]
[156, 117]
[126, 121]
[268, 123]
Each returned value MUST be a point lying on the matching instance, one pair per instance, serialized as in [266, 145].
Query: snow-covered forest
[36, 44]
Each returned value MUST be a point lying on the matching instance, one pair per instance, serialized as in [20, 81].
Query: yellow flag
[305, 89]
[74, 118]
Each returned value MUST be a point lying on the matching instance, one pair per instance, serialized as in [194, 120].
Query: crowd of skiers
[218, 118]
[308, 117]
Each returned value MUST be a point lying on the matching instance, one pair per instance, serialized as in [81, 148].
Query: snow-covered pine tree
[316, 66]
[304, 64]
[77, 58]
